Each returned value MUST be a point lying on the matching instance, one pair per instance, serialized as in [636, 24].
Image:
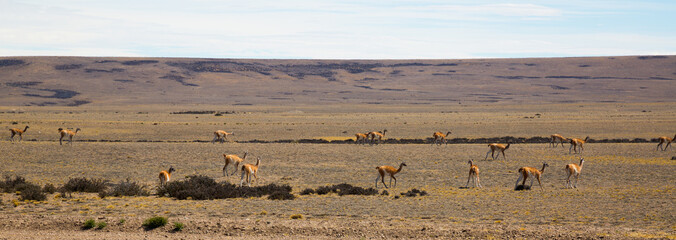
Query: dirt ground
[626, 190]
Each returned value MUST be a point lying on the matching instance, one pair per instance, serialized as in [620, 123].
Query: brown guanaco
[556, 139]
[662, 141]
[389, 170]
[233, 159]
[378, 134]
[17, 131]
[576, 142]
[473, 174]
[248, 170]
[69, 133]
[360, 137]
[526, 172]
[221, 135]
[573, 169]
[495, 147]
[165, 176]
[440, 138]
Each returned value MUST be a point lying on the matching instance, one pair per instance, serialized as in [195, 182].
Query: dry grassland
[625, 190]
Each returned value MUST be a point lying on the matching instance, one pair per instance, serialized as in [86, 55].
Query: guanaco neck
[258, 162]
[581, 162]
[400, 167]
[77, 130]
[543, 168]
[586, 139]
[24, 129]
[508, 145]
[448, 133]
[673, 139]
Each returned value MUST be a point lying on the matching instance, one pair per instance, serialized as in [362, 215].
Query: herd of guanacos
[249, 170]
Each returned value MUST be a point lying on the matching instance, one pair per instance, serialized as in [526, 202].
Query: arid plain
[626, 190]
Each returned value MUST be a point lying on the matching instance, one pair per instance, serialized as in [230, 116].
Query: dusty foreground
[626, 190]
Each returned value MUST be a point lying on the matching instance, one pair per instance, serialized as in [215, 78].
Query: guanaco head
[60, 129]
[586, 139]
[258, 161]
[581, 161]
[26, 128]
[402, 165]
[171, 169]
[77, 130]
[245, 153]
[384, 131]
[544, 165]
[470, 162]
[508, 143]
[448, 133]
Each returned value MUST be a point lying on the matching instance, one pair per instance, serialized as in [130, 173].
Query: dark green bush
[154, 222]
[178, 226]
[89, 224]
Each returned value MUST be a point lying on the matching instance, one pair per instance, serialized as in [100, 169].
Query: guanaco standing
[221, 135]
[473, 174]
[526, 172]
[573, 169]
[556, 139]
[440, 138]
[17, 131]
[497, 147]
[165, 176]
[662, 141]
[378, 134]
[389, 170]
[69, 133]
[576, 142]
[248, 170]
[360, 137]
[233, 159]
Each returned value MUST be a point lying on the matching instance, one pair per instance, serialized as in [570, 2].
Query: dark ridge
[442, 74]
[362, 86]
[68, 66]
[660, 78]
[106, 61]
[573, 77]
[409, 65]
[179, 79]
[221, 67]
[395, 72]
[584, 65]
[557, 87]
[530, 64]
[627, 78]
[394, 89]
[78, 103]
[242, 104]
[366, 79]
[139, 62]
[123, 80]
[194, 112]
[58, 93]
[651, 57]
[11, 62]
[516, 77]
[22, 84]
[90, 70]
[42, 104]
[446, 64]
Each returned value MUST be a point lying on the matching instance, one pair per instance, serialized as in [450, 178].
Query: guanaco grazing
[248, 170]
[16, 131]
[576, 142]
[165, 176]
[473, 174]
[69, 133]
[360, 137]
[440, 138]
[378, 134]
[573, 169]
[389, 170]
[556, 139]
[526, 172]
[662, 141]
[221, 135]
[233, 159]
[495, 147]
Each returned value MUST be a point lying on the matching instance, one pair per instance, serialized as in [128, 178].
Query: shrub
[10, 185]
[101, 225]
[89, 224]
[121, 221]
[342, 189]
[178, 226]
[31, 191]
[414, 192]
[522, 187]
[206, 188]
[49, 188]
[281, 195]
[296, 216]
[307, 191]
[85, 185]
[127, 188]
[154, 222]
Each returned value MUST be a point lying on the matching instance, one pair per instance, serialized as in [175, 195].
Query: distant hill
[73, 81]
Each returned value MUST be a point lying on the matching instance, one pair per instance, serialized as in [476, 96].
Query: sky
[316, 29]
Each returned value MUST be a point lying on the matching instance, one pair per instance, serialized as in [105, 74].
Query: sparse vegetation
[89, 224]
[178, 226]
[85, 185]
[101, 225]
[127, 188]
[296, 216]
[414, 192]
[154, 222]
[206, 188]
[341, 189]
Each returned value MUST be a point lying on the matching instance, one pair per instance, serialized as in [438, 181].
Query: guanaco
[389, 170]
[165, 176]
[576, 142]
[497, 147]
[360, 137]
[233, 159]
[378, 134]
[573, 169]
[556, 139]
[473, 174]
[17, 131]
[440, 138]
[526, 172]
[248, 170]
[662, 141]
[221, 135]
[69, 133]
